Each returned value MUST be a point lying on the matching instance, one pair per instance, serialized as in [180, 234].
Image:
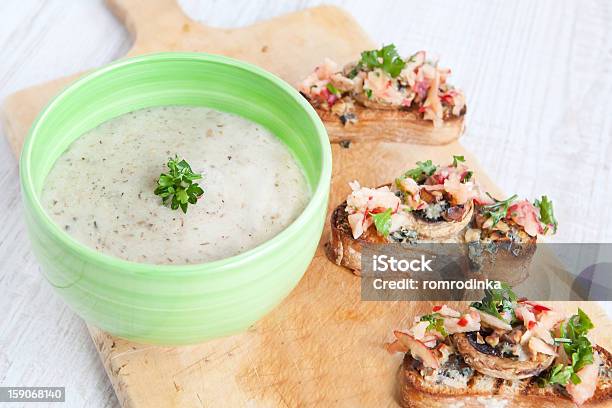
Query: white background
[537, 74]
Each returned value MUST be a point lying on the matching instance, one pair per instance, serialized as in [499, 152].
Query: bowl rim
[318, 197]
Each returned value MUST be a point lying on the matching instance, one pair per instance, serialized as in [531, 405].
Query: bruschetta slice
[386, 97]
[501, 352]
[428, 203]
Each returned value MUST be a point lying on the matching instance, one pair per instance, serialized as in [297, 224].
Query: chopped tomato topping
[526, 215]
[462, 322]
[377, 210]
[537, 307]
[447, 98]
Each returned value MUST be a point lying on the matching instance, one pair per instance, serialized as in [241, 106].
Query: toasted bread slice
[342, 248]
[393, 125]
[345, 250]
[458, 385]
[502, 260]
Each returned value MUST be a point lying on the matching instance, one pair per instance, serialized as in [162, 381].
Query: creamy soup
[101, 189]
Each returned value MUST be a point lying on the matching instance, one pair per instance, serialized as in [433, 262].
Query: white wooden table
[537, 75]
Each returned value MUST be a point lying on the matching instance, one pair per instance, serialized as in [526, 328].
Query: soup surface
[100, 190]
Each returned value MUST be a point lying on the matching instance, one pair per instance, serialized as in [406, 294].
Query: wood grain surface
[536, 75]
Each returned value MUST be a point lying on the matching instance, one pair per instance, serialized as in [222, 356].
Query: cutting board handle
[146, 19]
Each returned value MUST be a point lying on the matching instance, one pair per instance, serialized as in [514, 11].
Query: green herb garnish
[382, 221]
[368, 93]
[422, 171]
[436, 322]
[498, 301]
[497, 210]
[580, 348]
[457, 160]
[468, 176]
[353, 72]
[547, 215]
[332, 89]
[386, 58]
[177, 186]
[578, 325]
[559, 374]
[577, 347]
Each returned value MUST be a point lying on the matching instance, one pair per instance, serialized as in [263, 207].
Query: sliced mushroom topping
[490, 361]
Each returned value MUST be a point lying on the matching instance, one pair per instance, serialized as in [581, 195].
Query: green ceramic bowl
[165, 304]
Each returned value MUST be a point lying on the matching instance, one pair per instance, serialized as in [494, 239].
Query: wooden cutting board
[322, 346]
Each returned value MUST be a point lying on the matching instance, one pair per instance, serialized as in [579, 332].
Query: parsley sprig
[498, 301]
[577, 347]
[457, 160]
[177, 186]
[421, 171]
[547, 214]
[386, 58]
[436, 322]
[498, 209]
[382, 222]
